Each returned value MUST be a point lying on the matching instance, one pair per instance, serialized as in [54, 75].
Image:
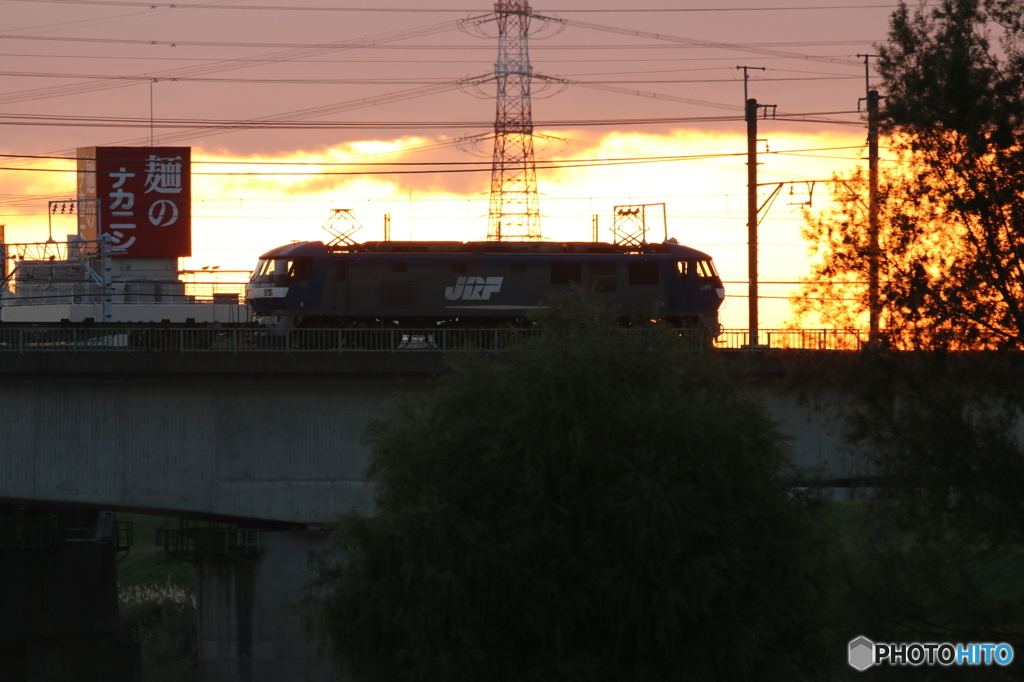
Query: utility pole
[751, 118]
[874, 299]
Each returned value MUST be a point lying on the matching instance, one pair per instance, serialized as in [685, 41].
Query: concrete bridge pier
[58, 601]
[248, 630]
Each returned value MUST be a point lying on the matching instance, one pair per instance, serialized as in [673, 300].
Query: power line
[350, 60]
[423, 10]
[218, 66]
[680, 43]
[426, 163]
[751, 48]
[210, 127]
[383, 81]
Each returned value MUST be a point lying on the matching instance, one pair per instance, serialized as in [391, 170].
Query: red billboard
[141, 197]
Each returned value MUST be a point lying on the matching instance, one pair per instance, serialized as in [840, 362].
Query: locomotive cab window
[683, 268]
[644, 272]
[565, 272]
[705, 270]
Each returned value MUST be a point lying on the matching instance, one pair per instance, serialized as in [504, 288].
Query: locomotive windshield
[706, 270]
[266, 269]
[278, 271]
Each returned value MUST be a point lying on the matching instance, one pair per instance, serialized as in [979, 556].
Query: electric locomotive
[311, 284]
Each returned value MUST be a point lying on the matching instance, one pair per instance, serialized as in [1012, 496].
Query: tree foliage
[592, 505]
[942, 556]
[912, 260]
[952, 209]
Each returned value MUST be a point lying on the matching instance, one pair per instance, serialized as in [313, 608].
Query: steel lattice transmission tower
[514, 213]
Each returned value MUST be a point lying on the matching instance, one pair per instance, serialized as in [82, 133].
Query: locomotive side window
[399, 267]
[300, 268]
[339, 271]
[682, 267]
[601, 276]
[565, 272]
[644, 272]
[601, 268]
[518, 267]
[705, 270]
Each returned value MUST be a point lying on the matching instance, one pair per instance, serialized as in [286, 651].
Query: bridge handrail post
[181, 341]
[234, 341]
[339, 339]
[21, 340]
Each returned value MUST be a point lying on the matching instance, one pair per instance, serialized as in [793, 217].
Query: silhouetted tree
[953, 208]
[594, 504]
[912, 261]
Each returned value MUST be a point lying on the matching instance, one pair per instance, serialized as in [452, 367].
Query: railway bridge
[253, 441]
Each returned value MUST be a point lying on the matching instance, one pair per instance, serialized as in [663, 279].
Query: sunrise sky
[343, 92]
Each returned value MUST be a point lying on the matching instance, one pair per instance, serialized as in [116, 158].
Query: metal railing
[249, 339]
[794, 339]
[30, 532]
[32, 292]
[47, 531]
[121, 535]
[188, 543]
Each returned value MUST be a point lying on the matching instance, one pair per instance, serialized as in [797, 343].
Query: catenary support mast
[751, 116]
[874, 248]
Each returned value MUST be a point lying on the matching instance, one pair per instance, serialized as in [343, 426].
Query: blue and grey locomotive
[310, 284]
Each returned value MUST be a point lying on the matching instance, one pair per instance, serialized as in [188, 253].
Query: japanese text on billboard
[144, 199]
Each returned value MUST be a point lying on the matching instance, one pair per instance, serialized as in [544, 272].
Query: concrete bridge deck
[272, 436]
